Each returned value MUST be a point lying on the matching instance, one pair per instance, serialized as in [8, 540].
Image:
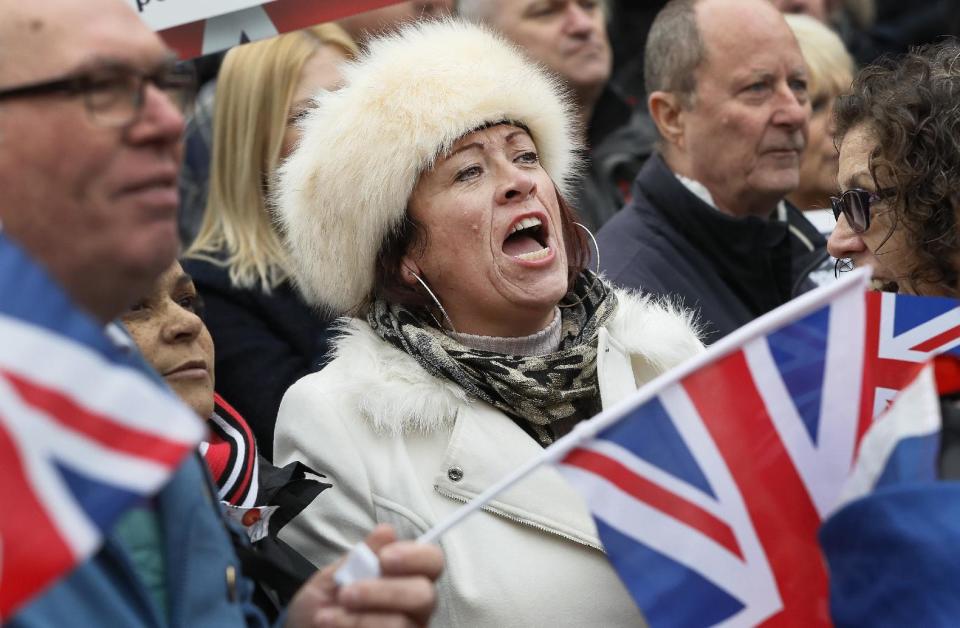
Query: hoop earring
[596, 249]
[435, 300]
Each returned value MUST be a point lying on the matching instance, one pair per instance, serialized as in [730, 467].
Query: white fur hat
[405, 102]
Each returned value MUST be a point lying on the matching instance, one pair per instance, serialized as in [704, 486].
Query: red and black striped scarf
[231, 454]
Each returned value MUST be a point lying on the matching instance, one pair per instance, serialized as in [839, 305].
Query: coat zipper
[525, 522]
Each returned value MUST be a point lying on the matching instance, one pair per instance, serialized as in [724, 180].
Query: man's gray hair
[674, 51]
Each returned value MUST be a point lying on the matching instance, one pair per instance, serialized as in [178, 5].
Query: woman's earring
[596, 248]
[597, 274]
[434, 297]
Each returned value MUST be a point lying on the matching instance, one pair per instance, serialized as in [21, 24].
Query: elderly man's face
[747, 126]
[95, 204]
[567, 36]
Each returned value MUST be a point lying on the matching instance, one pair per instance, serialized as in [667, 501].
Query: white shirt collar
[700, 191]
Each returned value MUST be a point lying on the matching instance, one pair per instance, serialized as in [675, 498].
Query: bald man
[708, 224]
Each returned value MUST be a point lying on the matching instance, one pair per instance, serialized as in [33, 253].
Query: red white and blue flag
[85, 432]
[708, 492]
[888, 542]
[903, 333]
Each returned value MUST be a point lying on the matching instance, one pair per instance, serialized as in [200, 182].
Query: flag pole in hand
[361, 563]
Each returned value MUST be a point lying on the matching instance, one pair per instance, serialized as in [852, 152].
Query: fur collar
[397, 395]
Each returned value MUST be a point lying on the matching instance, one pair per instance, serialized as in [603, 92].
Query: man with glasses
[91, 119]
[708, 225]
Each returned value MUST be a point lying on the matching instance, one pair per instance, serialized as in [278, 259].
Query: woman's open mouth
[527, 240]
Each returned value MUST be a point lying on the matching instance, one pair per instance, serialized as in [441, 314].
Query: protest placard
[197, 27]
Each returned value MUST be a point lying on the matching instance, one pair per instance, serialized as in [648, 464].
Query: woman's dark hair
[912, 106]
[390, 285]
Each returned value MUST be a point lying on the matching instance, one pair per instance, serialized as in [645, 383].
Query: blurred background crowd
[240, 132]
[370, 342]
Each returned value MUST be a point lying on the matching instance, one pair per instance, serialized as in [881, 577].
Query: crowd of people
[408, 251]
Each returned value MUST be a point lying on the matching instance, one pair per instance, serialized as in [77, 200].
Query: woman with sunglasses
[892, 554]
[899, 139]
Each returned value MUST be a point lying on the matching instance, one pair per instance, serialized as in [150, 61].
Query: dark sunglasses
[855, 206]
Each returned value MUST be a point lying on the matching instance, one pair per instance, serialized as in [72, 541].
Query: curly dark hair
[912, 105]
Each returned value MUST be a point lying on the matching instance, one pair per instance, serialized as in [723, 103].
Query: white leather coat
[403, 447]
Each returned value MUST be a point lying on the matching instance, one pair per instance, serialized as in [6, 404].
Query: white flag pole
[803, 305]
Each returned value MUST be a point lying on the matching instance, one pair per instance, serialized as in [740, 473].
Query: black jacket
[263, 343]
[597, 193]
[669, 242]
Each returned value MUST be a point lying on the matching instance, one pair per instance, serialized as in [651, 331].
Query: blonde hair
[830, 67]
[254, 89]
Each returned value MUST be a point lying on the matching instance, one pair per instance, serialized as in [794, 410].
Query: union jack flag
[708, 492]
[85, 433]
[904, 332]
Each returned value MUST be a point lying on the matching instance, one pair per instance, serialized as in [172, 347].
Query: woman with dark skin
[166, 327]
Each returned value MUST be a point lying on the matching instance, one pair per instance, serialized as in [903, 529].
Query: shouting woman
[426, 202]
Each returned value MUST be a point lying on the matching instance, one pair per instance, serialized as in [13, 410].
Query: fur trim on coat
[404, 103]
[394, 393]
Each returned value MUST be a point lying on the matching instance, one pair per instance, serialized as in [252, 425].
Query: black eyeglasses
[855, 205]
[114, 95]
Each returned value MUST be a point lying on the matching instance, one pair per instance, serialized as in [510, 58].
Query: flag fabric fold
[85, 432]
[709, 495]
[709, 485]
[888, 545]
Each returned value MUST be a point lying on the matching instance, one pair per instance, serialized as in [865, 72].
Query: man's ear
[667, 112]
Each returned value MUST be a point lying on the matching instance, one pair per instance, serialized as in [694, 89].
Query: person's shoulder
[633, 221]
[658, 327]
[635, 247]
[281, 303]
[641, 219]
[209, 270]
[372, 378]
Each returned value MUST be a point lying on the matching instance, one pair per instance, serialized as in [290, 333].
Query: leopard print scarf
[545, 394]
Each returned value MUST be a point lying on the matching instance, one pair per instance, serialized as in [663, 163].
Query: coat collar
[396, 395]
[747, 251]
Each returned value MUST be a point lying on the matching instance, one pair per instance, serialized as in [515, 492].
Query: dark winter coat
[668, 241]
[264, 343]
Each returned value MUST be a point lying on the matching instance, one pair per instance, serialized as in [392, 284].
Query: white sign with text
[162, 14]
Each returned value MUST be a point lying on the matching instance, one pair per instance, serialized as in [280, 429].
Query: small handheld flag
[84, 434]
